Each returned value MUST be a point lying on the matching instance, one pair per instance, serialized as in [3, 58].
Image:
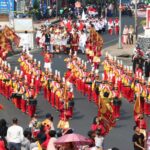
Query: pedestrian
[38, 37]
[47, 40]
[99, 140]
[138, 139]
[26, 41]
[48, 122]
[68, 146]
[130, 35]
[3, 128]
[125, 34]
[33, 121]
[41, 135]
[15, 135]
[52, 140]
[2, 144]
[25, 144]
[3, 132]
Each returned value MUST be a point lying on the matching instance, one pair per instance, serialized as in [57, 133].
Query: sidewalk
[38, 23]
[124, 54]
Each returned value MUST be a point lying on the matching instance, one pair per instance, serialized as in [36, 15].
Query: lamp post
[135, 23]
[120, 43]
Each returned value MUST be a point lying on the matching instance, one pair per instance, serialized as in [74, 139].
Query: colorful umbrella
[74, 138]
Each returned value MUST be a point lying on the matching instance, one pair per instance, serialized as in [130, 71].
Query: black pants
[14, 146]
[130, 39]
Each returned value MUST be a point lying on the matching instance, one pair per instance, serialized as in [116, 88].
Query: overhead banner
[6, 6]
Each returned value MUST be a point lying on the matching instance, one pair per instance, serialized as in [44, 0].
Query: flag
[6, 37]
[11, 35]
[106, 113]
[83, 16]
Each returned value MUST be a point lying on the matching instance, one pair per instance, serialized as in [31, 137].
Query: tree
[36, 4]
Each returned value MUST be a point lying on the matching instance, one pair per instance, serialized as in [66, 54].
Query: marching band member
[116, 22]
[48, 61]
[32, 102]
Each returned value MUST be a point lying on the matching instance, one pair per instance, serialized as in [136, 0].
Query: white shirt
[38, 34]
[51, 145]
[15, 134]
[99, 141]
[25, 38]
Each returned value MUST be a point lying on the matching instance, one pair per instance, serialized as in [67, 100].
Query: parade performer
[105, 110]
[116, 102]
[146, 95]
[110, 26]
[32, 102]
[48, 60]
[96, 61]
[116, 22]
[141, 123]
[98, 125]
[75, 41]
[95, 87]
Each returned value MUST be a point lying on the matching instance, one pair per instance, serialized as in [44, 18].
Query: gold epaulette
[93, 85]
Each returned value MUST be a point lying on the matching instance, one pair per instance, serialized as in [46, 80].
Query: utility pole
[56, 8]
[135, 25]
[120, 43]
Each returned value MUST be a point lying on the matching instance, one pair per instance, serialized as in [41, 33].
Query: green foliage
[36, 4]
[143, 22]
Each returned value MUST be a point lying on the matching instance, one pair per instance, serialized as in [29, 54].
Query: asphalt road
[84, 112]
[120, 136]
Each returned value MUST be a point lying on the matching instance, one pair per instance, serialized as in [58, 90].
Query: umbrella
[74, 138]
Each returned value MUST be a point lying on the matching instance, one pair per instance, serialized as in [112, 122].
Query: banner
[6, 6]
[141, 13]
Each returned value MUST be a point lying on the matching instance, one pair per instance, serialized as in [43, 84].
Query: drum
[13, 95]
[19, 96]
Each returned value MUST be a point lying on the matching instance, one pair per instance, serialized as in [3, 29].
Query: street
[85, 111]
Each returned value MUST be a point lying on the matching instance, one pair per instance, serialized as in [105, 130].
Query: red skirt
[31, 110]
[52, 99]
[147, 108]
[23, 105]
